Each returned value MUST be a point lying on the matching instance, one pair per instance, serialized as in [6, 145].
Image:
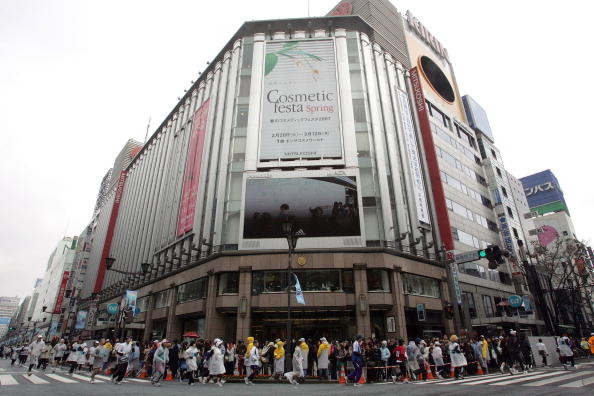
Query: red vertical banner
[61, 292]
[110, 231]
[443, 218]
[187, 206]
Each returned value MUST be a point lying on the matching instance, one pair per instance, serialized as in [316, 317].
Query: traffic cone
[452, 371]
[342, 379]
[107, 371]
[143, 373]
[429, 373]
[362, 379]
[169, 376]
[479, 369]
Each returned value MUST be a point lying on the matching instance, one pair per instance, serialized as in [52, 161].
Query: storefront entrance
[334, 325]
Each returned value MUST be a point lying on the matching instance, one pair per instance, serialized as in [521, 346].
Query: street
[549, 381]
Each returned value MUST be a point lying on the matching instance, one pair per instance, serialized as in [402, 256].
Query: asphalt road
[542, 382]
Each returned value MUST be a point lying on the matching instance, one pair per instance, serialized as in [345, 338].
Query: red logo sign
[344, 8]
[61, 292]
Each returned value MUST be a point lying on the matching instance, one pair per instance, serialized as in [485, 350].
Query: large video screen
[320, 206]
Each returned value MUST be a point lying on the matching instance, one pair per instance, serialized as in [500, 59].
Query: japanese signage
[414, 161]
[505, 232]
[539, 188]
[61, 292]
[426, 36]
[458, 291]
[300, 109]
[187, 207]
[81, 320]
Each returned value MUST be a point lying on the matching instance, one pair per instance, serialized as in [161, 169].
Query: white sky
[78, 78]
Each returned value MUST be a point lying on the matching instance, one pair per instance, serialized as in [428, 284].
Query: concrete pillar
[215, 322]
[397, 310]
[173, 329]
[362, 313]
[148, 321]
[244, 319]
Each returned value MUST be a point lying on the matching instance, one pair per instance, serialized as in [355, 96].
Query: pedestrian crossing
[41, 378]
[559, 378]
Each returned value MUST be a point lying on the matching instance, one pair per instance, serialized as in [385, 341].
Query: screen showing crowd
[320, 206]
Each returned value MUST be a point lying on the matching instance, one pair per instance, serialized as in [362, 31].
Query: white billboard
[300, 105]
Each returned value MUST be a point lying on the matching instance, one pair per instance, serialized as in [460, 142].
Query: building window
[311, 281]
[486, 202]
[493, 154]
[488, 304]
[194, 290]
[348, 281]
[481, 179]
[420, 286]
[498, 172]
[469, 297]
[515, 232]
[509, 212]
[504, 191]
[161, 299]
[378, 280]
[228, 283]
[492, 226]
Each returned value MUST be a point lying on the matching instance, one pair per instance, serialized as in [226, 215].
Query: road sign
[467, 257]
[112, 308]
[515, 301]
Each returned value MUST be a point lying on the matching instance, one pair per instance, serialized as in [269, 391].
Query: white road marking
[498, 375]
[7, 380]
[35, 379]
[522, 379]
[578, 383]
[558, 379]
[497, 379]
[84, 378]
[62, 379]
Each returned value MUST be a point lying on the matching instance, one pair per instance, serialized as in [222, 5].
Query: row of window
[378, 280]
[468, 239]
[470, 215]
[458, 185]
[493, 306]
[437, 130]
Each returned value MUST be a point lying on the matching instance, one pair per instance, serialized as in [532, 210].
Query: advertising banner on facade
[300, 105]
[414, 160]
[320, 206]
[187, 207]
[61, 292]
[81, 320]
[129, 301]
[53, 330]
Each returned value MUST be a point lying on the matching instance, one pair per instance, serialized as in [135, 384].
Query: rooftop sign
[426, 36]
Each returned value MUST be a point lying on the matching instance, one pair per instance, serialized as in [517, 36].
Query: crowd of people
[211, 361]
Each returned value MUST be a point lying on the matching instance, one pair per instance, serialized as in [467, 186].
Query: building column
[173, 328]
[397, 310]
[362, 313]
[445, 296]
[244, 304]
[215, 322]
[148, 317]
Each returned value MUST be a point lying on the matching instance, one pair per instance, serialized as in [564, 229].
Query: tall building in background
[8, 308]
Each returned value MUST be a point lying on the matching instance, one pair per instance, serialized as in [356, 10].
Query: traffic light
[494, 254]
[449, 311]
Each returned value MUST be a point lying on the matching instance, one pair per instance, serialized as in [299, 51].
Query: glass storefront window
[420, 286]
[194, 290]
[161, 299]
[311, 281]
[142, 304]
[378, 280]
[228, 283]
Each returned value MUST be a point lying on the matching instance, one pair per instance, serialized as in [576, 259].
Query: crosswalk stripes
[578, 383]
[62, 379]
[486, 381]
[558, 379]
[453, 381]
[8, 380]
[85, 378]
[35, 379]
[523, 379]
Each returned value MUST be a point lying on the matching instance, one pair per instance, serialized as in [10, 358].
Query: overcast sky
[79, 78]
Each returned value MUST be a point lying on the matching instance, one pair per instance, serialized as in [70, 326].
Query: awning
[191, 334]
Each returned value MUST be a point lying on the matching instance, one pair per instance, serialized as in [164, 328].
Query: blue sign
[112, 308]
[4, 320]
[515, 301]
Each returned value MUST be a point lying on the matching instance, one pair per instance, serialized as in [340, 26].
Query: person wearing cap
[565, 352]
[437, 354]
[160, 360]
[384, 358]
[35, 347]
[357, 360]
[98, 354]
[122, 351]
[189, 355]
[216, 365]
[254, 362]
[297, 364]
[279, 360]
[457, 358]
[59, 351]
[250, 345]
[305, 353]
[512, 353]
[322, 355]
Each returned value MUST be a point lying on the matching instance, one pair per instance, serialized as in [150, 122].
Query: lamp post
[292, 237]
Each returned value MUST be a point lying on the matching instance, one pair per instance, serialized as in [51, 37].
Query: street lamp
[292, 237]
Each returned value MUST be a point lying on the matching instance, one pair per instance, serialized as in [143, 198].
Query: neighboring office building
[203, 200]
[8, 307]
[475, 185]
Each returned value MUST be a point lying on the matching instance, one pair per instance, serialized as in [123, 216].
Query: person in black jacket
[174, 358]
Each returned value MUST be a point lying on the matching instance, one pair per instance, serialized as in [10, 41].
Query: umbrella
[191, 334]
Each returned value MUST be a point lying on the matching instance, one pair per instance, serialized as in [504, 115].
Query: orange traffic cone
[479, 369]
[107, 371]
[362, 379]
[342, 379]
[429, 373]
[452, 371]
[169, 376]
[142, 373]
